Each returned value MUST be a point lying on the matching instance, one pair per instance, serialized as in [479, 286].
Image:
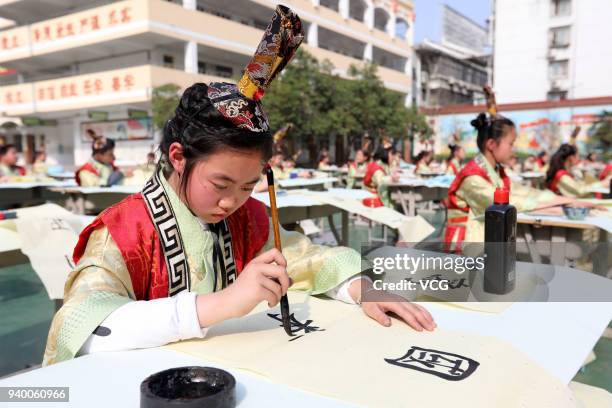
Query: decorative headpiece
[241, 103]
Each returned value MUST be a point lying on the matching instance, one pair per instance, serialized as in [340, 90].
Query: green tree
[602, 131]
[164, 101]
[321, 103]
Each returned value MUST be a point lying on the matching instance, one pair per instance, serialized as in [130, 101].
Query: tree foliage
[602, 130]
[320, 103]
[164, 101]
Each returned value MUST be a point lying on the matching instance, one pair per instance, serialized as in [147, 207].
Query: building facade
[446, 75]
[552, 50]
[454, 70]
[72, 65]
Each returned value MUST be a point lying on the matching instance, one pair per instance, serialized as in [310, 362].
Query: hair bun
[480, 122]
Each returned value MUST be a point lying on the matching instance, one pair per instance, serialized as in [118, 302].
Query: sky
[429, 15]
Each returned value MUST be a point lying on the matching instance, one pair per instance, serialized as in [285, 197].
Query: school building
[73, 65]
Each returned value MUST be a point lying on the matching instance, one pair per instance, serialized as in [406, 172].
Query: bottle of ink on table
[500, 244]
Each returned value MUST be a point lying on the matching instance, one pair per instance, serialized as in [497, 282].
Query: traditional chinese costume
[454, 166]
[565, 184]
[376, 181]
[472, 192]
[11, 171]
[94, 174]
[142, 262]
[117, 265]
[353, 170]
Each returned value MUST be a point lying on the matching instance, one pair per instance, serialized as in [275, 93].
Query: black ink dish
[189, 387]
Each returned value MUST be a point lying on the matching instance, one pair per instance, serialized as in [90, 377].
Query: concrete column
[191, 57]
[368, 16]
[367, 52]
[190, 4]
[313, 35]
[344, 9]
[391, 25]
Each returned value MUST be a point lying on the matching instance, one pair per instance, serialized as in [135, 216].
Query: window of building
[201, 67]
[401, 28]
[558, 69]
[560, 8]
[381, 19]
[331, 4]
[556, 95]
[168, 61]
[560, 37]
[223, 71]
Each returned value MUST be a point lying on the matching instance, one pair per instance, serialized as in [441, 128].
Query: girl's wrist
[213, 308]
[358, 288]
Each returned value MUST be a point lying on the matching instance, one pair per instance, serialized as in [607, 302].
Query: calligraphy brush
[284, 302]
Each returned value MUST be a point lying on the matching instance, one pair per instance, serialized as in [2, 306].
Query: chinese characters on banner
[72, 87]
[67, 27]
[86, 86]
[9, 41]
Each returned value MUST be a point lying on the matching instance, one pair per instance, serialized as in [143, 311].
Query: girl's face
[460, 154]
[359, 157]
[108, 157]
[222, 183]
[502, 148]
[573, 160]
[276, 160]
[10, 157]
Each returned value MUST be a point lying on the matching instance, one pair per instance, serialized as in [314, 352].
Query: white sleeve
[341, 292]
[147, 323]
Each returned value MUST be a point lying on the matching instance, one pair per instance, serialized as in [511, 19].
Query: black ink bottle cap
[188, 387]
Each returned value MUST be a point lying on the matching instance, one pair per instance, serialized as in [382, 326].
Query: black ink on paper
[296, 325]
[449, 366]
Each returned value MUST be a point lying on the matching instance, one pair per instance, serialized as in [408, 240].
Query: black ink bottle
[500, 244]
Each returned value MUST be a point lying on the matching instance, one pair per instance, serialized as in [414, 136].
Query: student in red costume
[193, 249]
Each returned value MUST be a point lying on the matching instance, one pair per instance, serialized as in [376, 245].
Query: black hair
[422, 154]
[5, 148]
[542, 154]
[453, 149]
[493, 128]
[102, 145]
[202, 130]
[591, 156]
[382, 154]
[557, 161]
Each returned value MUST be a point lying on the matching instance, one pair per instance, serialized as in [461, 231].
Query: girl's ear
[490, 144]
[176, 157]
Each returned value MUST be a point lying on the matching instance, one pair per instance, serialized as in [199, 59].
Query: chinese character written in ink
[296, 325]
[59, 224]
[449, 366]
